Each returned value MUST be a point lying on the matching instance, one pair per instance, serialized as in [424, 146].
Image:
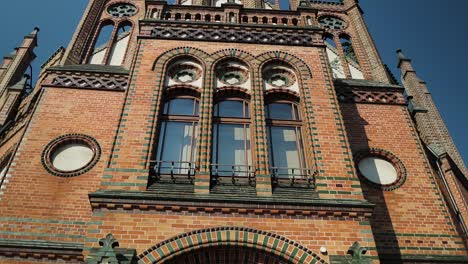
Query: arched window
[294, 21]
[255, 19]
[168, 16]
[207, 18]
[111, 49]
[334, 57]
[197, 17]
[231, 149]
[188, 16]
[218, 18]
[284, 21]
[265, 20]
[351, 57]
[120, 44]
[174, 154]
[232, 17]
[245, 19]
[284, 123]
[178, 16]
[274, 20]
[101, 45]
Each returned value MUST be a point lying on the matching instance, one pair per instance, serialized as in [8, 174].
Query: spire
[402, 57]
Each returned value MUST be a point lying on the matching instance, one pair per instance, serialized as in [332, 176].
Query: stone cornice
[41, 249]
[213, 203]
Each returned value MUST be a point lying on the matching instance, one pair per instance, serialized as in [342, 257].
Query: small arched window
[168, 16]
[207, 18]
[255, 19]
[197, 17]
[274, 20]
[218, 18]
[265, 20]
[245, 19]
[294, 21]
[178, 16]
[284, 21]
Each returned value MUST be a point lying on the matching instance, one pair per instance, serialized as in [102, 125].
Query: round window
[378, 171]
[122, 10]
[71, 155]
[380, 168]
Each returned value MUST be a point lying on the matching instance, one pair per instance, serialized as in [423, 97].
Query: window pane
[101, 45]
[284, 150]
[176, 144]
[281, 111]
[181, 107]
[231, 148]
[231, 109]
[119, 47]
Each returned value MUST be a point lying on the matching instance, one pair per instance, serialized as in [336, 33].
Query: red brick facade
[337, 216]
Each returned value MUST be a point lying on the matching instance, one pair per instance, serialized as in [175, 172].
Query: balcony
[172, 171]
[293, 177]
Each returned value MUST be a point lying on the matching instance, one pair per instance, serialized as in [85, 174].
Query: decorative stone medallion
[331, 22]
[71, 155]
[279, 77]
[120, 10]
[380, 169]
[232, 75]
[184, 73]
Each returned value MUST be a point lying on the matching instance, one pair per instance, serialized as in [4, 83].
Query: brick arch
[172, 54]
[243, 56]
[267, 242]
[303, 70]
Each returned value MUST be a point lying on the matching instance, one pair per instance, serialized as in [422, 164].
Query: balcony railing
[293, 176]
[174, 171]
[236, 174]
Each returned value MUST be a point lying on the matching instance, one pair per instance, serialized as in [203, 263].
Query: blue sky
[433, 33]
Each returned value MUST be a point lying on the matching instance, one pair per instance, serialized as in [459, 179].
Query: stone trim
[70, 138]
[41, 249]
[221, 204]
[232, 236]
[388, 156]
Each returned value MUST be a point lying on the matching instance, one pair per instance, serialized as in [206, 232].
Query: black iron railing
[172, 171]
[293, 176]
[234, 173]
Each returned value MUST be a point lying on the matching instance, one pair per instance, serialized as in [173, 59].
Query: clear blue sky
[433, 33]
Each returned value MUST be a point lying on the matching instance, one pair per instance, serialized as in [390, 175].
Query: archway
[228, 255]
[228, 245]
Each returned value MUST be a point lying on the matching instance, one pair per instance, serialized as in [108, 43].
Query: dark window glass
[182, 106]
[232, 109]
[282, 111]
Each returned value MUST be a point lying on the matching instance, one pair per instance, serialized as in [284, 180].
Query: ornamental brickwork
[116, 154]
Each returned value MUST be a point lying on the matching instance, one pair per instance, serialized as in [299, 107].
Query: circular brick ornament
[84, 148]
[120, 10]
[331, 22]
[380, 169]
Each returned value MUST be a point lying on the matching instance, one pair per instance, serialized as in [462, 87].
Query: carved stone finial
[109, 242]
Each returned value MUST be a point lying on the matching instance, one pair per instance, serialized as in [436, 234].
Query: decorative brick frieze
[231, 33]
[90, 82]
[358, 93]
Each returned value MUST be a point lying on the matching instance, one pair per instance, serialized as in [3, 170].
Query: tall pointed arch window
[334, 57]
[111, 44]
